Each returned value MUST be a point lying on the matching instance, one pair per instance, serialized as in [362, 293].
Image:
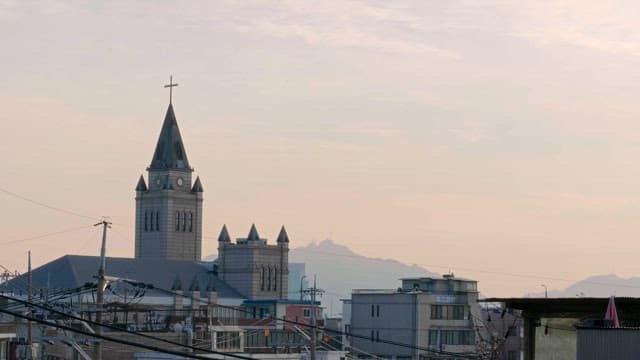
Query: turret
[142, 185]
[283, 238]
[224, 235]
[253, 234]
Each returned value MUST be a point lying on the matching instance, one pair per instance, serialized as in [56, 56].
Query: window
[190, 221]
[377, 310]
[262, 280]
[433, 337]
[512, 331]
[275, 278]
[371, 335]
[184, 221]
[177, 220]
[269, 281]
[377, 335]
[146, 221]
[151, 227]
[373, 310]
[512, 355]
[456, 312]
[306, 312]
[157, 222]
[448, 312]
[436, 311]
[456, 337]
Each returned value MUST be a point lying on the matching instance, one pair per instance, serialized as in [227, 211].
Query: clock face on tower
[179, 181]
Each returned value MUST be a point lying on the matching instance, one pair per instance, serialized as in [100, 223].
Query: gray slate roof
[73, 271]
[170, 152]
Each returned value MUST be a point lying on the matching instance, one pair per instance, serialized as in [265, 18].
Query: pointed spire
[195, 284]
[142, 186]
[211, 287]
[177, 284]
[224, 235]
[197, 185]
[283, 237]
[253, 234]
[170, 152]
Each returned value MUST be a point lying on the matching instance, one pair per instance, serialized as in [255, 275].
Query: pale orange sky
[471, 135]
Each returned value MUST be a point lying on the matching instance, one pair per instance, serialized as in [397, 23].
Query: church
[236, 303]
[168, 241]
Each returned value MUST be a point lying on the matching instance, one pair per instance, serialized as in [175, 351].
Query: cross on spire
[170, 86]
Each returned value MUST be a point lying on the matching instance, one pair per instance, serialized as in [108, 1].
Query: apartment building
[425, 318]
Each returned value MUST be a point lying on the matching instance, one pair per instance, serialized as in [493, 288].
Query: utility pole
[101, 285]
[30, 310]
[314, 334]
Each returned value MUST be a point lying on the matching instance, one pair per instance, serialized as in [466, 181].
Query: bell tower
[169, 208]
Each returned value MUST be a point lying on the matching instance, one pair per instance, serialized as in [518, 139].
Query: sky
[490, 138]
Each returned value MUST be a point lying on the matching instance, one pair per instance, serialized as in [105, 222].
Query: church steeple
[170, 152]
[169, 205]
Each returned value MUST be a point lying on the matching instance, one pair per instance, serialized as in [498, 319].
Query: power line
[532, 276]
[50, 207]
[115, 340]
[390, 342]
[46, 235]
[47, 308]
[152, 287]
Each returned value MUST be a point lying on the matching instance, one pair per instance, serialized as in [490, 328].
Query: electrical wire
[50, 207]
[119, 341]
[390, 342]
[111, 327]
[532, 276]
[46, 235]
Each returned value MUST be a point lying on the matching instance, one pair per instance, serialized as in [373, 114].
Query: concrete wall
[396, 322]
[608, 343]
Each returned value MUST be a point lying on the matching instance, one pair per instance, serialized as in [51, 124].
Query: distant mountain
[597, 286]
[339, 270]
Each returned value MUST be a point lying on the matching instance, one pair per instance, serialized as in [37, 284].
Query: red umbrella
[612, 313]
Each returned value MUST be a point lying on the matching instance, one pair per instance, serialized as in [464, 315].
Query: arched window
[269, 280]
[146, 221]
[190, 221]
[184, 221]
[177, 220]
[275, 278]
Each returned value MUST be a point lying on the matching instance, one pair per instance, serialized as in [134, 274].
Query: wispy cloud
[342, 24]
[605, 26]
